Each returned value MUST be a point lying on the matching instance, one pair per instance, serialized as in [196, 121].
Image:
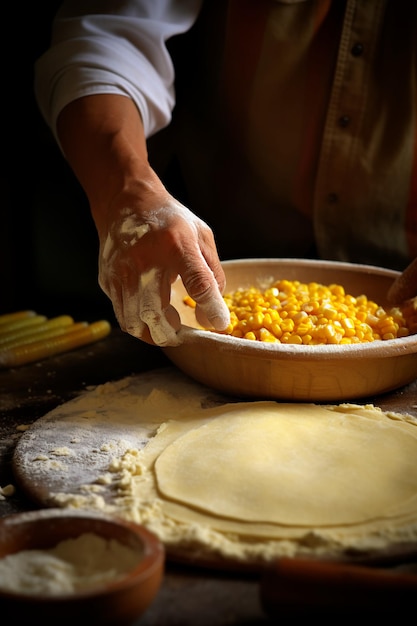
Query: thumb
[211, 309]
[214, 313]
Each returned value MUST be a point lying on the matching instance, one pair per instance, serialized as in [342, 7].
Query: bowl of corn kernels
[301, 330]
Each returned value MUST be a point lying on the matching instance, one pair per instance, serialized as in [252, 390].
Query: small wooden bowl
[117, 602]
[241, 367]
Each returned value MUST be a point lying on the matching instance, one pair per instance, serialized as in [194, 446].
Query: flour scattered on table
[22, 427]
[64, 451]
[217, 479]
[7, 491]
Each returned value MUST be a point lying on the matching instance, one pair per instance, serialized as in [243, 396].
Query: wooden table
[188, 596]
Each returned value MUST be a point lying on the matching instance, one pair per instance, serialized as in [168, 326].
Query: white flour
[72, 565]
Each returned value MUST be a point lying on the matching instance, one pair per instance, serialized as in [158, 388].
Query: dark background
[48, 242]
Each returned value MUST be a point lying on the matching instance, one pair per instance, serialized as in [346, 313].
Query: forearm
[103, 140]
[147, 238]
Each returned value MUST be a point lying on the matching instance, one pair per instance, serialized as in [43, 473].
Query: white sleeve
[119, 50]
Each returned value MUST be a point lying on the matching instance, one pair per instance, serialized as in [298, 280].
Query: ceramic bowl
[255, 369]
[118, 601]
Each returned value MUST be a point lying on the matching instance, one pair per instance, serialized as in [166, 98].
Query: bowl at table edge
[325, 373]
[118, 602]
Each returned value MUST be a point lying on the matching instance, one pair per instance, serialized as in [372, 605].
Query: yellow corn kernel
[327, 311]
[372, 320]
[389, 328]
[296, 339]
[300, 316]
[267, 321]
[303, 329]
[362, 315]
[337, 290]
[267, 336]
[313, 314]
[190, 302]
[287, 325]
[276, 329]
[311, 306]
[274, 314]
[256, 320]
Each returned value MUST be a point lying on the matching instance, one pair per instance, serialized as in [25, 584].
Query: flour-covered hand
[143, 253]
[147, 238]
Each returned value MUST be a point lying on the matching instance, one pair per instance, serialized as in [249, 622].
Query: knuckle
[200, 287]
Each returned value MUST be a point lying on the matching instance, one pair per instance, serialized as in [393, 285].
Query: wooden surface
[114, 425]
[188, 596]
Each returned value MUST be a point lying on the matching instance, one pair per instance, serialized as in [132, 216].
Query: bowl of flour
[57, 565]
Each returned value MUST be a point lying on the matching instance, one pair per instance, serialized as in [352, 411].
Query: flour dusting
[107, 434]
[73, 565]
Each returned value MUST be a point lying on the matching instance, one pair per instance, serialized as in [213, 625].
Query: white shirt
[121, 51]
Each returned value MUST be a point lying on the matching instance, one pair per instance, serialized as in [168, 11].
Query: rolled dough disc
[293, 465]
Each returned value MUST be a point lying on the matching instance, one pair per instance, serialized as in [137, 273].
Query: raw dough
[297, 465]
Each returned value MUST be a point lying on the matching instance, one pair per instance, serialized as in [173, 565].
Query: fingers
[144, 311]
[405, 286]
[211, 311]
[163, 321]
[201, 284]
[137, 273]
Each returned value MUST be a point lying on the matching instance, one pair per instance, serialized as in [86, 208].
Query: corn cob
[31, 333]
[72, 338]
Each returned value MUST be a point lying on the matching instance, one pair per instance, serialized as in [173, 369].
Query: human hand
[405, 286]
[147, 238]
[141, 255]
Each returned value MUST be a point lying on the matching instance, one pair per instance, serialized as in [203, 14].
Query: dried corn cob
[32, 332]
[21, 323]
[6, 318]
[21, 355]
